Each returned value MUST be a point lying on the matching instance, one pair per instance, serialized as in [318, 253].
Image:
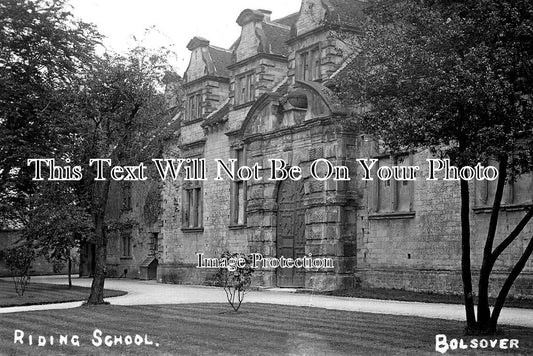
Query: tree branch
[513, 235]
[493, 223]
[519, 266]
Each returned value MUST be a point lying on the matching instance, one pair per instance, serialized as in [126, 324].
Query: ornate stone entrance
[291, 231]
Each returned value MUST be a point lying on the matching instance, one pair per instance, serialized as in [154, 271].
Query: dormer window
[244, 88]
[194, 106]
[308, 64]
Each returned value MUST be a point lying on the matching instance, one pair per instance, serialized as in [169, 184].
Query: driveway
[151, 292]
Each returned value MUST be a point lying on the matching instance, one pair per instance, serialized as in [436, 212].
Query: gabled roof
[288, 20]
[221, 60]
[276, 38]
[272, 35]
[216, 59]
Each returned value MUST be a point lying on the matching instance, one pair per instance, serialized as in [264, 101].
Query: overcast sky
[177, 21]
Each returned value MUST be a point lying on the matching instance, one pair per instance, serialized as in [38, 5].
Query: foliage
[19, 260]
[454, 77]
[120, 105]
[43, 49]
[451, 76]
[59, 99]
[152, 206]
[236, 277]
[57, 223]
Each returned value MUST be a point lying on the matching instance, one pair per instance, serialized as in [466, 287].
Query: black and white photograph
[266, 177]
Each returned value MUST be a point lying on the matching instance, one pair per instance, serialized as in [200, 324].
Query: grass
[41, 293]
[409, 296]
[260, 329]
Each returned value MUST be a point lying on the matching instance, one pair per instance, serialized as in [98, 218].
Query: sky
[176, 21]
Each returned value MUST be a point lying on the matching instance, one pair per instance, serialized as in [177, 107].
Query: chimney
[266, 13]
[249, 15]
[197, 42]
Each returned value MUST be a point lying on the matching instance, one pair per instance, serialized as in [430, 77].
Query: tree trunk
[69, 271]
[465, 257]
[508, 284]
[100, 197]
[97, 286]
[483, 310]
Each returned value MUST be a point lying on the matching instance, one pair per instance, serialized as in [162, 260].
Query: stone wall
[421, 249]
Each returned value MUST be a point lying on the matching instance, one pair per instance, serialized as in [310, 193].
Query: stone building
[267, 97]
[264, 98]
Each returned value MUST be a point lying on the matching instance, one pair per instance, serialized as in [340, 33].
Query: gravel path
[152, 293]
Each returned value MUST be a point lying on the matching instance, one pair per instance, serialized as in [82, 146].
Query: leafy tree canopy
[42, 50]
[452, 76]
[120, 107]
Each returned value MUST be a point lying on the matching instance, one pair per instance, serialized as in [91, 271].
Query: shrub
[235, 277]
[19, 260]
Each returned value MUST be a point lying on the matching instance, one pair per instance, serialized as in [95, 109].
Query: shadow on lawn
[41, 293]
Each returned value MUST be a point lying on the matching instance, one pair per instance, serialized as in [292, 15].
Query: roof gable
[207, 60]
[276, 38]
[260, 35]
[221, 59]
[288, 20]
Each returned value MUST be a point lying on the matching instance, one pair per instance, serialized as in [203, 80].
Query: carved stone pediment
[274, 111]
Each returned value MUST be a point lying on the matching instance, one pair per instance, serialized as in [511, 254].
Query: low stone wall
[440, 281]
[185, 274]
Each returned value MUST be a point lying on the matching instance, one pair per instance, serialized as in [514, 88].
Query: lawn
[260, 329]
[410, 296]
[41, 293]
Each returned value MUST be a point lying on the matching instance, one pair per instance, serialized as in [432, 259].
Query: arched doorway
[290, 231]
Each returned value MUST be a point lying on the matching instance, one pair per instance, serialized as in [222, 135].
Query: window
[516, 192]
[192, 207]
[126, 244]
[244, 88]
[520, 190]
[126, 195]
[194, 106]
[154, 238]
[238, 193]
[392, 196]
[308, 64]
